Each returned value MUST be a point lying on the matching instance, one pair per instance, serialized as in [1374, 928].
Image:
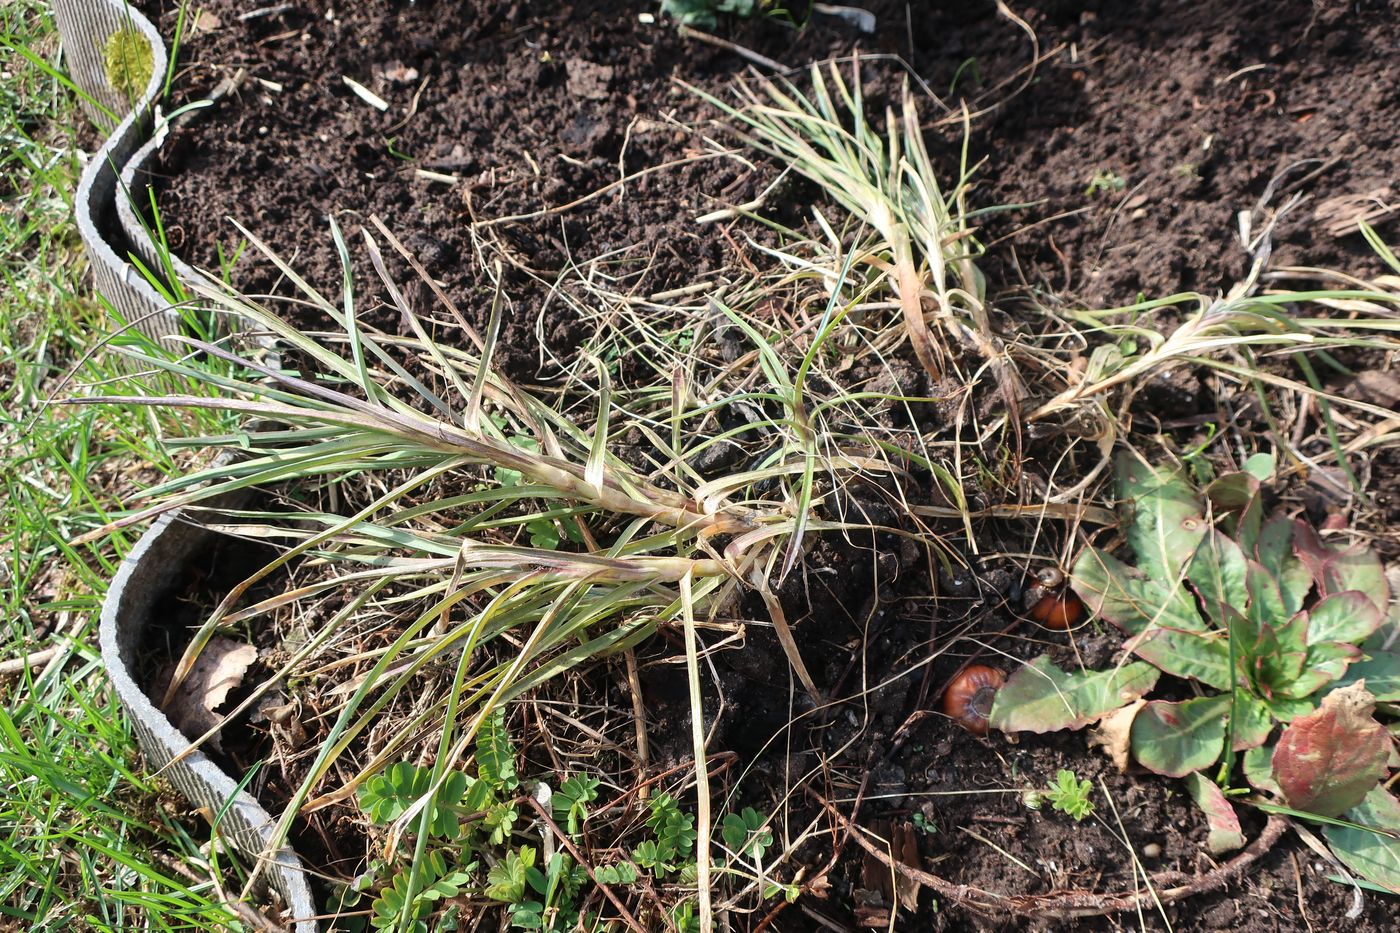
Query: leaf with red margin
[1237, 504]
[1258, 770]
[1131, 599]
[1042, 698]
[1326, 761]
[1225, 833]
[1251, 722]
[1324, 664]
[1167, 521]
[1218, 572]
[1349, 616]
[1274, 551]
[1338, 569]
[1381, 671]
[1177, 738]
[1188, 655]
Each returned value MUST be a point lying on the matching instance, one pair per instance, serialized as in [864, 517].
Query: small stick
[32, 660]
[1071, 905]
[634, 684]
[265, 11]
[763, 61]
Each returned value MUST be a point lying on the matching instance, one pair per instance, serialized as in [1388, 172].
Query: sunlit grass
[86, 839]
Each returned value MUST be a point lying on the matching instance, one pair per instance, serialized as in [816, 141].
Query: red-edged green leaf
[1323, 664]
[1336, 569]
[1225, 833]
[1266, 603]
[1177, 738]
[1381, 671]
[1129, 598]
[1235, 497]
[1277, 656]
[1042, 698]
[1251, 722]
[1232, 492]
[1349, 616]
[1274, 552]
[1259, 770]
[1167, 518]
[1287, 709]
[1327, 760]
[1373, 856]
[1217, 571]
[1191, 655]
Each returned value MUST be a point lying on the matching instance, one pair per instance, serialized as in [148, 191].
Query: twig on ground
[32, 660]
[639, 714]
[763, 61]
[1072, 905]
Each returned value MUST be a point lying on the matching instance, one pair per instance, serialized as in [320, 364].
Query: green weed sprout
[705, 13]
[1070, 795]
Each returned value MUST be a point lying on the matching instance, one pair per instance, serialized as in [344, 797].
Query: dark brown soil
[1195, 107]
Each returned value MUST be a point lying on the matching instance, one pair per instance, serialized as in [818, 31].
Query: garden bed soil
[1138, 137]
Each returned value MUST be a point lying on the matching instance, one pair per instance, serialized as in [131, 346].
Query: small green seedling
[1070, 795]
[744, 834]
[1105, 181]
[705, 13]
[671, 850]
[471, 817]
[473, 847]
[571, 801]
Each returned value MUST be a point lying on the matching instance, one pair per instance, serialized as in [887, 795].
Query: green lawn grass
[87, 838]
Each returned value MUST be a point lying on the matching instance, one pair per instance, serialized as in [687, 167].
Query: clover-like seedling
[572, 798]
[387, 796]
[744, 833]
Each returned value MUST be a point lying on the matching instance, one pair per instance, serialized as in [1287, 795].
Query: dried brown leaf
[218, 669]
[1114, 734]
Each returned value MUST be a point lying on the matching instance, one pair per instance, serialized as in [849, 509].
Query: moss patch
[127, 61]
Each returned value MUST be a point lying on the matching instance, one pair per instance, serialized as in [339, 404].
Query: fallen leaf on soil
[218, 669]
[204, 21]
[1327, 761]
[906, 847]
[398, 73]
[1375, 386]
[1225, 833]
[1114, 734]
[882, 888]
